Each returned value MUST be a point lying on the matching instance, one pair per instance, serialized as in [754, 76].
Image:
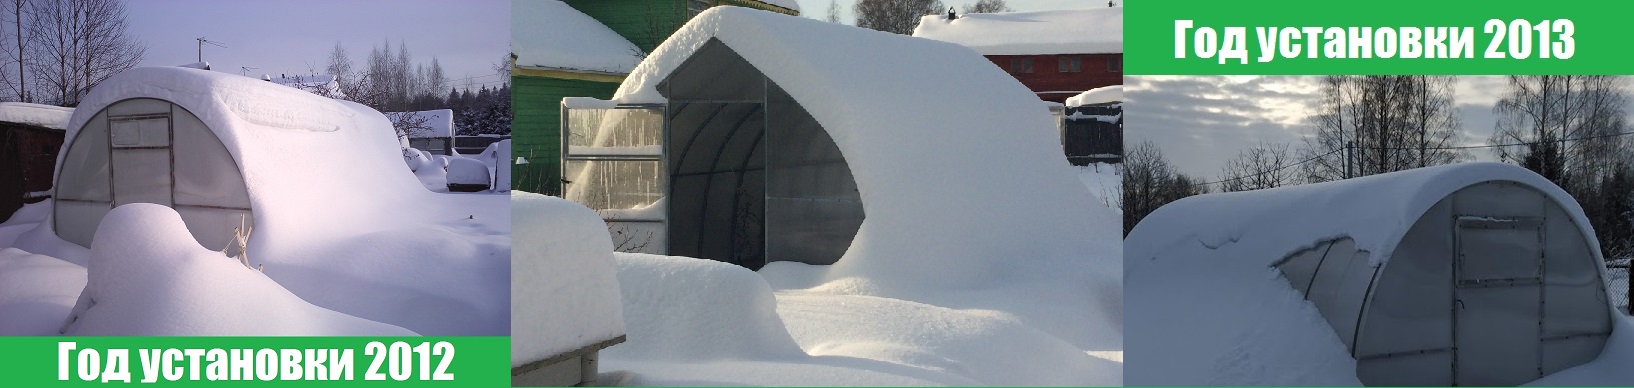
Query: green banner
[289, 361]
[1286, 37]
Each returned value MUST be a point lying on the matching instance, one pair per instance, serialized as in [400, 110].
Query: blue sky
[290, 36]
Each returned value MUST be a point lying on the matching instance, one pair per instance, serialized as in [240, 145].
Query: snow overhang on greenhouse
[750, 137]
[223, 149]
[1464, 274]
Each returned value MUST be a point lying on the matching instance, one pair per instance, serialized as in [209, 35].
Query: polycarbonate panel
[699, 135]
[614, 131]
[1410, 309]
[1497, 334]
[1564, 353]
[1499, 253]
[84, 171]
[1330, 275]
[714, 72]
[76, 221]
[813, 206]
[638, 237]
[153, 132]
[614, 184]
[1498, 199]
[1575, 298]
[1346, 308]
[206, 173]
[1427, 369]
[1301, 266]
[211, 227]
[141, 175]
[139, 106]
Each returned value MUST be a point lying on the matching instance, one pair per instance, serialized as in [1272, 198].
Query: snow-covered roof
[1100, 95]
[439, 123]
[1375, 211]
[54, 117]
[866, 88]
[550, 34]
[789, 4]
[281, 138]
[1085, 31]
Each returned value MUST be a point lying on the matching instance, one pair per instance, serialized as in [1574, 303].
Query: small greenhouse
[742, 137]
[1469, 274]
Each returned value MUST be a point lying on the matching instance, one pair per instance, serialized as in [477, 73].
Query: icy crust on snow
[1086, 31]
[339, 220]
[54, 117]
[564, 292]
[148, 277]
[551, 34]
[1100, 95]
[1374, 210]
[36, 291]
[970, 210]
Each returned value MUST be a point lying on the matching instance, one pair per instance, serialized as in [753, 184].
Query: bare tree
[1377, 124]
[1262, 166]
[833, 11]
[896, 16]
[14, 53]
[1149, 182]
[1567, 125]
[988, 6]
[75, 44]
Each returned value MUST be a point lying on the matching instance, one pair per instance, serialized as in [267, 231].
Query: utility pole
[202, 41]
[1349, 146]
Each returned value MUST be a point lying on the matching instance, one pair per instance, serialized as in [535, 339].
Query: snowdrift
[564, 293]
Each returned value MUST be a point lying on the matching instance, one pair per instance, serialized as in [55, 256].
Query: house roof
[1083, 31]
[54, 117]
[550, 34]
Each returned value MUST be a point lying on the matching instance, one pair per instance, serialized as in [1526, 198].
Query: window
[1070, 65]
[1021, 65]
[1115, 64]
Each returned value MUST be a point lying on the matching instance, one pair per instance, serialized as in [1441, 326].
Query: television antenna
[242, 70]
[203, 41]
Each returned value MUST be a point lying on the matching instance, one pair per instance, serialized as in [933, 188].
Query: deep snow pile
[975, 248]
[564, 293]
[550, 34]
[37, 292]
[339, 221]
[1084, 31]
[1210, 256]
[1105, 182]
[54, 117]
[147, 276]
[1004, 209]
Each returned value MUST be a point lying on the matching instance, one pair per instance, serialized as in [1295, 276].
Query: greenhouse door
[1498, 301]
[140, 159]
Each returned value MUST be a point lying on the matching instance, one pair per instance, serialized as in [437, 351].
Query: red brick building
[1057, 54]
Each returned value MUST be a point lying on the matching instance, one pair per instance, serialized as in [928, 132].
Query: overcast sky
[290, 36]
[818, 9]
[1201, 122]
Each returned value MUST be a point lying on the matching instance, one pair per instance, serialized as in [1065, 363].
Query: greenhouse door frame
[662, 158]
[1498, 300]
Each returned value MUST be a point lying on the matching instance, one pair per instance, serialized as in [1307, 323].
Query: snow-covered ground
[1105, 181]
[345, 239]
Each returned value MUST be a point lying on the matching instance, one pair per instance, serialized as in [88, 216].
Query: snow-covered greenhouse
[218, 148]
[750, 137]
[1466, 274]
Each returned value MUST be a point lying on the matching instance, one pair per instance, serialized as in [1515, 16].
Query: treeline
[1570, 129]
[390, 80]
